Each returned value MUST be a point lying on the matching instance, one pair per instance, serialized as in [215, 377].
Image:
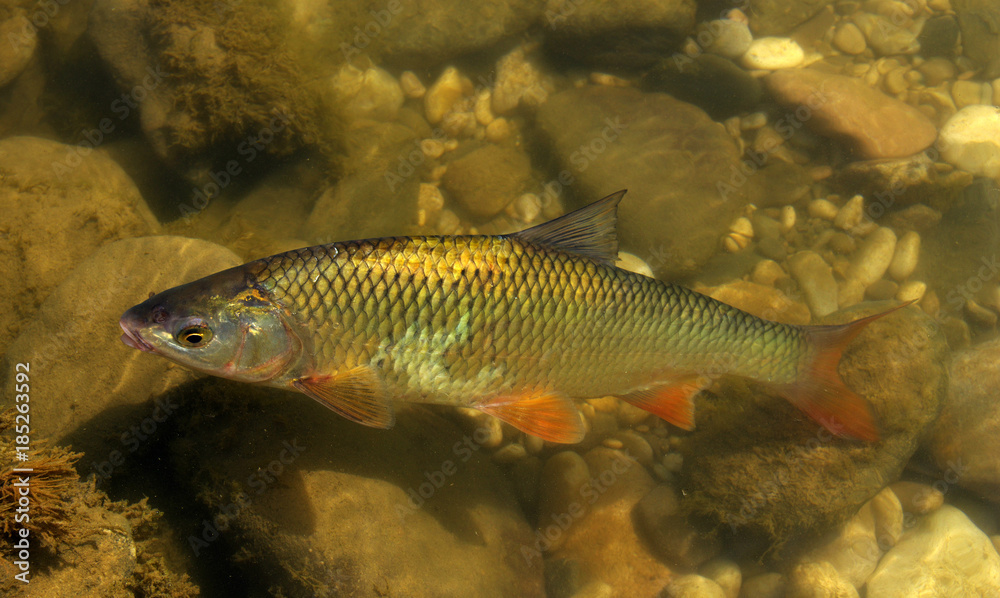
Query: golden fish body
[513, 325]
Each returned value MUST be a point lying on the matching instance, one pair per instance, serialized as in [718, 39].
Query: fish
[517, 326]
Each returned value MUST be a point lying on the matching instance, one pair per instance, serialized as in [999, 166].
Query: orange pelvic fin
[673, 402]
[545, 414]
[357, 394]
[820, 392]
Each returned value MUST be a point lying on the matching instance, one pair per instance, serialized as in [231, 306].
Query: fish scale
[512, 325]
[533, 304]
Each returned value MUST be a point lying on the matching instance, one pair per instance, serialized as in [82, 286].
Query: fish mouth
[132, 339]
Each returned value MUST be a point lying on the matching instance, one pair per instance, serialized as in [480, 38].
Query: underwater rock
[692, 586]
[815, 278]
[425, 34]
[377, 196]
[724, 37]
[848, 38]
[853, 548]
[672, 537]
[944, 555]
[893, 183]
[873, 257]
[21, 40]
[631, 34]
[885, 36]
[980, 37]
[938, 36]
[316, 505]
[818, 580]
[965, 441]
[59, 203]
[778, 17]
[712, 83]
[367, 94]
[869, 122]
[765, 585]
[773, 53]
[94, 396]
[761, 301]
[970, 140]
[487, 179]
[681, 170]
[758, 466]
[206, 84]
[725, 573]
[519, 82]
[600, 522]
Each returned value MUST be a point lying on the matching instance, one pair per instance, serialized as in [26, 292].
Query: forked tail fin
[820, 392]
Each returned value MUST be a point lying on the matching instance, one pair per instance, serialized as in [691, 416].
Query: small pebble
[772, 248]
[917, 498]
[849, 292]
[533, 444]
[411, 85]
[787, 218]
[773, 53]
[822, 208]
[511, 453]
[429, 198]
[527, 207]
[742, 226]
[753, 121]
[848, 39]
[881, 290]
[692, 586]
[595, 589]
[842, 243]
[724, 572]
[765, 585]
[432, 148]
[970, 93]
[911, 291]
[818, 579]
[498, 130]
[888, 513]
[980, 315]
[724, 37]
[766, 272]
[816, 280]
[483, 108]
[612, 443]
[872, 259]
[904, 260]
[849, 216]
[448, 222]
[895, 81]
[442, 95]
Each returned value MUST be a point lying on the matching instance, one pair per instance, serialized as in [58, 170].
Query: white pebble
[773, 53]
[904, 261]
[822, 208]
[483, 109]
[498, 131]
[873, 257]
[970, 140]
[851, 214]
[632, 263]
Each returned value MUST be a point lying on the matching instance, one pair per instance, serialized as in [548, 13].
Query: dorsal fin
[589, 231]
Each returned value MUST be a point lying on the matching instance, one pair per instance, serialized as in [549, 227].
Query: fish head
[224, 325]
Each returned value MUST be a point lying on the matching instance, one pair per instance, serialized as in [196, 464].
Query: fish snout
[132, 337]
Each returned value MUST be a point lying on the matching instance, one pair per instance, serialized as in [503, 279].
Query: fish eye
[194, 336]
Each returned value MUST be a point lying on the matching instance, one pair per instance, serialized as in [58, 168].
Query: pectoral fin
[545, 414]
[357, 394]
[673, 402]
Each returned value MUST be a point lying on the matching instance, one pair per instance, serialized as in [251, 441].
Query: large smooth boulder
[675, 162]
[59, 203]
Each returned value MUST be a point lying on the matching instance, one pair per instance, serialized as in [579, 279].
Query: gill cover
[223, 324]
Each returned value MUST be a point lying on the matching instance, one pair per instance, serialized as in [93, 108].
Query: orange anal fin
[673, 402]
[357, 394]
[819, 391]
[545, 414]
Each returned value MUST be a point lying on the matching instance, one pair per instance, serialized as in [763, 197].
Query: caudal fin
[820, 392]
